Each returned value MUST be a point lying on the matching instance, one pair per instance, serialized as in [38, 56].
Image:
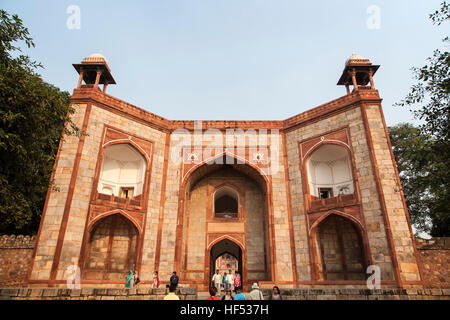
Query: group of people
[255, 294]
[132, 279]
[226, 281]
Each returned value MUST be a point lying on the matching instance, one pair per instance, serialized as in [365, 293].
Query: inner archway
[228, 250]
[226, 200]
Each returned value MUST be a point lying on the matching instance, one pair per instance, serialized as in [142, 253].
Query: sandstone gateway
[308, 202]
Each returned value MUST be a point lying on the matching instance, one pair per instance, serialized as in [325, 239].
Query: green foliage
[32, 117]
[426, 174]
[423, 180]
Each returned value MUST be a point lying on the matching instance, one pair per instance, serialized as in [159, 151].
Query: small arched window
[226, 203]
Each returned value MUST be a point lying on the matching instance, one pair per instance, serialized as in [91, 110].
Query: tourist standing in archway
[230, 281]
[216, 280]
[237, 282]
[224, 281]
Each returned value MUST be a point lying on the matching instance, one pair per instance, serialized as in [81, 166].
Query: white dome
[356, 58]
[97, 56]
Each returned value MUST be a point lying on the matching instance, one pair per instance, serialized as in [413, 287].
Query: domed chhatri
[94, 70]
[358, 72]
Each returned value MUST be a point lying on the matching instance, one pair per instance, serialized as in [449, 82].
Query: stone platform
[93, 294]
[192, 294]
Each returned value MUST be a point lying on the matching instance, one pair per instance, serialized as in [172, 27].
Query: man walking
[230, 281]
[216, 280]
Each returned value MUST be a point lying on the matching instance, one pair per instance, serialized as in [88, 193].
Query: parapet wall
[435, 257]
[16, 253]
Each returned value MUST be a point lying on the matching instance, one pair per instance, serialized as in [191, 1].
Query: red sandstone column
[372, 86]
[80, 80]
[355, 84]
[97, 79]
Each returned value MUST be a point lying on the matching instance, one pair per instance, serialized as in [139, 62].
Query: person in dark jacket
[174, 279]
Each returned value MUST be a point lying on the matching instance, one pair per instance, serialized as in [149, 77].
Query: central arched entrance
[225, 200]
[229, 252]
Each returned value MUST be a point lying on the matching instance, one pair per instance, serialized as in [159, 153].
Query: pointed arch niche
[339, 249]
[111, 249]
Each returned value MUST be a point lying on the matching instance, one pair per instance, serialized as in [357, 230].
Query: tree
[429, 101]
[411, 150]
[32, 118]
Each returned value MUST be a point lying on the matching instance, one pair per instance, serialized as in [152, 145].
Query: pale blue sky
[233, 59]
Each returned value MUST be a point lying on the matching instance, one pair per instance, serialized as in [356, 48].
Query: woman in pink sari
[237, 282]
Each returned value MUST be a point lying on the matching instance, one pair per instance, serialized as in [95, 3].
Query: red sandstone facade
[310, 201]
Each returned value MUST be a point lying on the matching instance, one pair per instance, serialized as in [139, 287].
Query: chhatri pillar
[94, 70]
[358, 72]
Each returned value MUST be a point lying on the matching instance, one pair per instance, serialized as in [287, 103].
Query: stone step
[202, 295]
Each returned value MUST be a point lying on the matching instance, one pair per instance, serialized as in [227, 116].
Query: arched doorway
[340, 250]
[230, 251]
[111, 250]
[225, 200]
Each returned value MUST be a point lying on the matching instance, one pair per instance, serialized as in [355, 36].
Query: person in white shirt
[255, 294]
[217, 280]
